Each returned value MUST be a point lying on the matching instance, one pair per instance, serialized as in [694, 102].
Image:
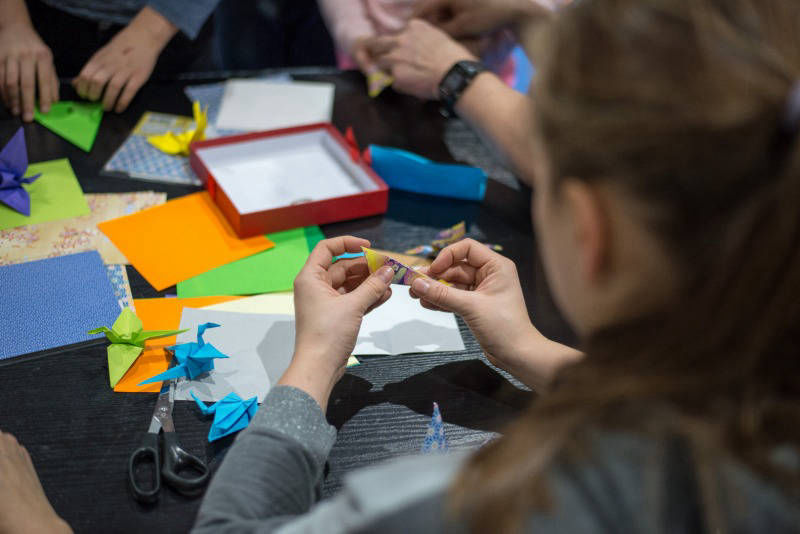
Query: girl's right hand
[487, 294]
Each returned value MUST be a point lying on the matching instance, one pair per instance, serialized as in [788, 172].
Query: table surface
[80, 433]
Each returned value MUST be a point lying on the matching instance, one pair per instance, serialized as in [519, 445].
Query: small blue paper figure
[13, 165]
[194, 359]
[231, 414]
[435, 440]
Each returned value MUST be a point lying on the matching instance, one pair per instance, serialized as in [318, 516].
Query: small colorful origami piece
[127, 342]
[77, 122]
[194, 359]
[435, 439]
[178, 144]
[231, 414]
[13, 165]
[377, 81]
[403, 274]
[446, 237]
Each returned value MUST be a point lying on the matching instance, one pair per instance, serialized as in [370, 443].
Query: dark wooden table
[80, 433]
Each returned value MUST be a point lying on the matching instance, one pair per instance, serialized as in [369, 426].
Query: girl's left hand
[330, 300]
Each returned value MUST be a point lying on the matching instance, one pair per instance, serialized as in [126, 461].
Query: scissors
[176, 459]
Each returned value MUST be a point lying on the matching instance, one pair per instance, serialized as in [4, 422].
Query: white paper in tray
[274, 172]
[258, 105]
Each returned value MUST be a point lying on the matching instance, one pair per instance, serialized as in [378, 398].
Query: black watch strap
[455, 82]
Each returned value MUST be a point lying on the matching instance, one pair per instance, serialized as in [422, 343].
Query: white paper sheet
[255, 105]
[259, 346]
[403, 326]
[400, 326]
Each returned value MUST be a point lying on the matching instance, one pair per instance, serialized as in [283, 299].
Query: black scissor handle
[146, 455]
[176, 460]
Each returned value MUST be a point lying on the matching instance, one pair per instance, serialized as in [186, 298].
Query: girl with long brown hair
[667, 182]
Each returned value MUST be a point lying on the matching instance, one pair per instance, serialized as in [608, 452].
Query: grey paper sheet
[259, 347]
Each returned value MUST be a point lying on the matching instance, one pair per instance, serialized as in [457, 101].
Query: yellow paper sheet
[180, 239]
[158, 314]
[277, 303]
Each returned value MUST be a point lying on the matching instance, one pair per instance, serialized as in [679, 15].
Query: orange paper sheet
[180, 239]
[158, 314]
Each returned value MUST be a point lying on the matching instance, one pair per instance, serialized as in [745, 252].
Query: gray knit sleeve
[188, 15]
[273, 471]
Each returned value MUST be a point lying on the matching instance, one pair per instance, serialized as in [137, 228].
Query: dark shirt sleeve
[188, 15]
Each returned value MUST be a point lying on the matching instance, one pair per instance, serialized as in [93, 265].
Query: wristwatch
[455, 82]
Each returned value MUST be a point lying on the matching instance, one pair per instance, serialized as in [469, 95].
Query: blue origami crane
[231, 414]
[435, 440]
[13, 165]
[194, 359]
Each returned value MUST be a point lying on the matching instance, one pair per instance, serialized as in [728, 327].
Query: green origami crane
[127, 342]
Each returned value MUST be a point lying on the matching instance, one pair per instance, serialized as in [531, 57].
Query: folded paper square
[435, 438]
[403, 274]
[77, 122]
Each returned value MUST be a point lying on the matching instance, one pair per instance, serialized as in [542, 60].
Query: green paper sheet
[77, 122]
[265, 272]
[55, 195]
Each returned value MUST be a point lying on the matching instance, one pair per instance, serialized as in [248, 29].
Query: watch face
[453, 81]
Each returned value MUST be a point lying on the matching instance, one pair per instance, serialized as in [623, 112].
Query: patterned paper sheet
[68, 236]
[137, 158]
[118, 276]
[435, 438]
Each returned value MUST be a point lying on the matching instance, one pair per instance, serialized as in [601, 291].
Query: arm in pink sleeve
[347, 21]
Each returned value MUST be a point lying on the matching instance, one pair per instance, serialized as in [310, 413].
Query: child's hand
[117, 71]
[417, 58]
[330, 300]
[487, 294]
[25, 61]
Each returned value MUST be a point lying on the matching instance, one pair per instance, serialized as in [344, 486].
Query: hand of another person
[117, 71]
[26, 64]
[486, 293]
[417, 58]
[361, 56]
[470, 18]
[331, 299]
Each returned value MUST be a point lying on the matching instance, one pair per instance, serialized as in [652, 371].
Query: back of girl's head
[686, 105]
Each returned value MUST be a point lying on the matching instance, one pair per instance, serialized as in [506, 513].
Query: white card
[259, 349]
[255, 105]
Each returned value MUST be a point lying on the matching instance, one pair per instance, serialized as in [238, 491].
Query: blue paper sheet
[53, 302]
[411, 172]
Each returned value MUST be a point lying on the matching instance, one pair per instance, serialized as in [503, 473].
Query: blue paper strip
[407, 171]
[53, 302]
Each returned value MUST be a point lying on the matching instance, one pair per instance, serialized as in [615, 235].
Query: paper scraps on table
[403, 274]
[177, 144]
[138, 159]
[55, 195]
[127, 337]
[77, 122]
[231, 414]
[78, 234]
[159, 313]
[266, 272]
[194, 358]
[185, 237]
[377, 81]
[260, 349]
[435, 439]
[13, 166]
[255, 105]
[53, 302]
[407, 171]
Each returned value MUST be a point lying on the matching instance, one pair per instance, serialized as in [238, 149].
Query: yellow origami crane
[178, 144]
